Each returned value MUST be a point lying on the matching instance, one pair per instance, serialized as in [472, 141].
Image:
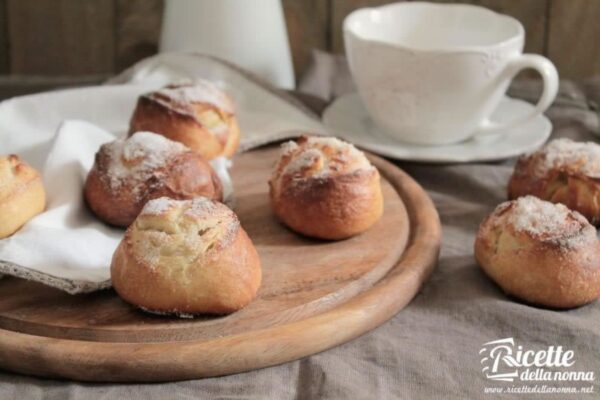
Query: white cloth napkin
[265, 113]
[67, 246]
[59, 132]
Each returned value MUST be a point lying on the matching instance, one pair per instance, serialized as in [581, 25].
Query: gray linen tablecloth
[431, 348]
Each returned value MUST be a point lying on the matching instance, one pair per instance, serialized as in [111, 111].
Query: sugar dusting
[304, 159]
[198, 91]
[185, 231]
[197, 207]
[201, 207]
[548, 221]
[323, 156]
[533, 215]
[568, 154]
[136, 159]
[332, 142]
[157, 206]
[288, 147]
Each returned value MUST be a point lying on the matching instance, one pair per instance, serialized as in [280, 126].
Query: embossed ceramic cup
[434, 73]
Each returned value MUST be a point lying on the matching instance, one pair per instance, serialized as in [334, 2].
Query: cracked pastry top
[326, 188]
[22, 194]
[129, 172]
[198, 114]
[186, 257]
[540, 252]
[564, 172]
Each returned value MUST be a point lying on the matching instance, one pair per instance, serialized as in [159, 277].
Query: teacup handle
[550, 77]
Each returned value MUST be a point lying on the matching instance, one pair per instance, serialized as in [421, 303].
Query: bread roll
[564, 172]
[186, 257]
[325, 188]
[540, 252]
[129, 172]
[22, 194]
[199, 115]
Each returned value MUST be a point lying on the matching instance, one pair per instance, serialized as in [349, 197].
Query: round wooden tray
[314, 295]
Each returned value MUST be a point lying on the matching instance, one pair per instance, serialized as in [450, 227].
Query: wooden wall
[83, 38]
[76, 37]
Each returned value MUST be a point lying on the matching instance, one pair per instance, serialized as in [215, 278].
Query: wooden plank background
[58, 38]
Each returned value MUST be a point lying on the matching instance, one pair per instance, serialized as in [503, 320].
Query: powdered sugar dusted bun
[186, 257]
[198, 114]
[129, 172]
[564, 172]
[326, 188]
[22, 194]
[540, 252]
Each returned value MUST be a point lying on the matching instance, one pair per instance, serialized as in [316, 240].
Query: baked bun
[22, 194]
[129, 172]
[199, 115]
[325, 188]
[564, 172]
[540, 252]
[186, 257]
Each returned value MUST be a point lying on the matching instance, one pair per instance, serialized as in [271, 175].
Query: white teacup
[434, 73]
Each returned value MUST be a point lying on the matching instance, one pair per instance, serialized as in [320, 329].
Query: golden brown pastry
[199, 115]
[186, 257]
[22, 194]
[564, 172]
[325, 188]
[540, 252]
[129, 172]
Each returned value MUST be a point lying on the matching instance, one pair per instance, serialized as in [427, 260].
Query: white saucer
[347, 118]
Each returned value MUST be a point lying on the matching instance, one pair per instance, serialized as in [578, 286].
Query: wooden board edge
[159, 362]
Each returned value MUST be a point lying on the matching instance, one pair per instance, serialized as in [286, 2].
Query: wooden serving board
[314, 295]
